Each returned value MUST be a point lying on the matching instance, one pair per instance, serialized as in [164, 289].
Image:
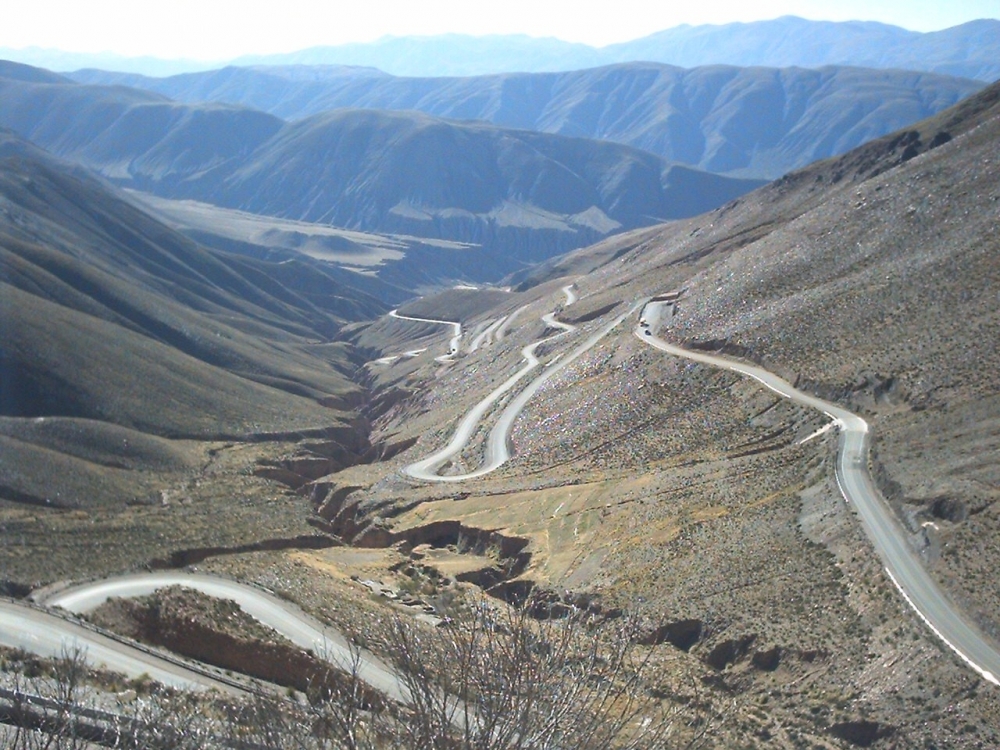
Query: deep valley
[407, 382]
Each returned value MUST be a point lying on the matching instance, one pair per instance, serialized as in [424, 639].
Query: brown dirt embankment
[217, 632]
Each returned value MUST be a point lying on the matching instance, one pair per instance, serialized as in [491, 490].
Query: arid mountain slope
[388, 267]
[707, 504]
[119, 331]
[884, 296]
[750, 122]
[514, 196]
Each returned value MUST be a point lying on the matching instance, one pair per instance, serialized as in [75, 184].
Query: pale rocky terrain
[684, 494]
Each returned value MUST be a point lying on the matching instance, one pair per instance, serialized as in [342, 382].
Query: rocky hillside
[215, 632]
[710, 507]
[751, 122]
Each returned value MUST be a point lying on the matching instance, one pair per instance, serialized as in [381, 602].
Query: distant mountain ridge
[513, 196]
[746, 122]
[970, 50]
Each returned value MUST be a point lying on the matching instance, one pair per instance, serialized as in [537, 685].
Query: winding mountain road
[498, 449]
[456, 337]
[27, 627]
[45, 634]
[304, 631]
[903, 566]
[486, 337]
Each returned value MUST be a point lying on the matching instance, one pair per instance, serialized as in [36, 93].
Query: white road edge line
[847, 422]
[984, 673]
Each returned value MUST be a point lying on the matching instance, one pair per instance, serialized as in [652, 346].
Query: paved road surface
[486, 337]
[901, 562]
[301, 629]
[25, 627]
[502, 330]
[456, 329]
[498, 449]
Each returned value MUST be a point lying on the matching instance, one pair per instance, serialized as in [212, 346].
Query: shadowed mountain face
[513, 196]
[415, 174]
[115, 328]
[750, 122]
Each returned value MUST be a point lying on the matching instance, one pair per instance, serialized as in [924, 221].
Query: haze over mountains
[745, 122]
[517, 196]
[237, 397]
[970, 50]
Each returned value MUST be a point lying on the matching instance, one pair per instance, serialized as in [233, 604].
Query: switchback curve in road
[456, 329]
[45, 634]
[498, 449]
[304, 631]
[427, 468]
[902, 564]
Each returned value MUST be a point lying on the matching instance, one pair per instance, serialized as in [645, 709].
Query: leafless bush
[501, 680]
[497, 680]
[55, 711]
[52, 722]
[163, 723]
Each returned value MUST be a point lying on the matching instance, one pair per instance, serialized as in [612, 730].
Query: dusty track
[41, 632]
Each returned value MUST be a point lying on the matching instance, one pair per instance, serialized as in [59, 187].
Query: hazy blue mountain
[752, 122]
[513, 196]
[971, 50]
[54, 59]
[445, 55]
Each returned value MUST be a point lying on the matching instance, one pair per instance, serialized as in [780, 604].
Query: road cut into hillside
[453, 343]
[49, 635]
[304, 631]
[498, 449]
[902, 565]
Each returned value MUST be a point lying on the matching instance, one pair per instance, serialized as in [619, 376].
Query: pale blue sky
[221, 29]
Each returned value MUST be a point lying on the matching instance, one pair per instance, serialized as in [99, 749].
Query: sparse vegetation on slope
[640, 486]
[693, 496]
[137, 366]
